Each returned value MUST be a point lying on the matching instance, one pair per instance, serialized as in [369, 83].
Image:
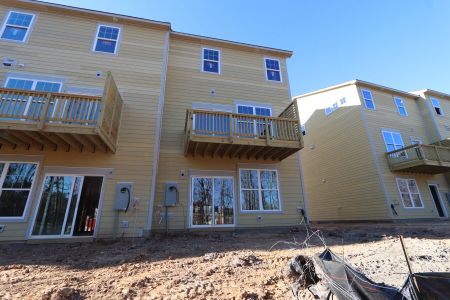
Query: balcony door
[250, 126]
[212, 201]
[434, 191]
[68, 206]
[30, 106]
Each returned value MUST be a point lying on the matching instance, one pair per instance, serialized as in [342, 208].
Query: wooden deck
[71, 121]
[428, 159]
[222, 134]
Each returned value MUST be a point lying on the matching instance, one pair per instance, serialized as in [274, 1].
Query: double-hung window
[107, 39]
[273, 70]
[437, 106]
[16, 182]
[393, 141]
[211, 61]
[400, 106]
[409, 192]
[17, 26]
[259, 190]
[368, 99]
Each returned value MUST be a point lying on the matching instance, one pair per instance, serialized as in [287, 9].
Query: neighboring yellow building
[113, 126]
[348, 175]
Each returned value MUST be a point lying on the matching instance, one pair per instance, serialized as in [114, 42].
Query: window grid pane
[17, 26]
[107, 39]
[273, 69]
[263, 194]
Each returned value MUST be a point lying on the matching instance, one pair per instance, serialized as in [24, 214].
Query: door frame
[191, 197]
[29, 234]
[444, 210]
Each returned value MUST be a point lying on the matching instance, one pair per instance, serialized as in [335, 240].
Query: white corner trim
[159, 117]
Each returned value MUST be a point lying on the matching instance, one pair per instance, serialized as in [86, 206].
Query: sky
[404, 44]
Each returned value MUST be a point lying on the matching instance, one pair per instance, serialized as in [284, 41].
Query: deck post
[43, 116]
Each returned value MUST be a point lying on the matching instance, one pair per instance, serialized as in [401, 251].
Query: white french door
[250, 126]
[212, 201]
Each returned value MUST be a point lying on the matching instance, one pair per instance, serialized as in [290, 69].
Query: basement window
[437, 106]
[409, 192]
[16, 182]
[107, 39]
[400, 106]
[273, 70]
[259, 190]
[211, 61]
[17, 26]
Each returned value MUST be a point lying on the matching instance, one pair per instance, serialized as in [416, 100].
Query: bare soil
[211, 266]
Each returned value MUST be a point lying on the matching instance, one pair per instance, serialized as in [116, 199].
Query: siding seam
[156, 149]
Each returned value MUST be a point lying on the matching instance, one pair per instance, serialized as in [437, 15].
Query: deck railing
[434, 153]
[61, 109]
[223, 124]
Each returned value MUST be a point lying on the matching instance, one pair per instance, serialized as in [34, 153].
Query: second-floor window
[393, 141]
[437, 106]
[368, 99]
[400, 106]
[211, 61]
[107, 39]
[273, 70]
[17, 26]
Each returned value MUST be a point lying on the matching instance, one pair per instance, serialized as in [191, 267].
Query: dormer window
[17, 26]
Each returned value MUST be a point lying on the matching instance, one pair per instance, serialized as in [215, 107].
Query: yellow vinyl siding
[386, 117]
[242, 78]
[60, 46]
[339, 172]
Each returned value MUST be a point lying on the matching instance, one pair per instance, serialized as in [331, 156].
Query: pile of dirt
[209, 266]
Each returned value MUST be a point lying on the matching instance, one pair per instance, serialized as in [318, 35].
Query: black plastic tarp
[431, 286]
[347, 283]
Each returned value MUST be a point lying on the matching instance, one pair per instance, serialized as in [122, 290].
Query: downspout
[299, 160]
[159, 117]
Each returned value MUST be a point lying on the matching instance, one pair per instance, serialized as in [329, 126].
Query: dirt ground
[236, 265]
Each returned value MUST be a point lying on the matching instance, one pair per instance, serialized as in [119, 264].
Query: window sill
[252, 212]
[12, 220]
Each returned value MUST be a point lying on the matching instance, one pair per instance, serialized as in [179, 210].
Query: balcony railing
[239, 135]
[431, 159]
[78, 121]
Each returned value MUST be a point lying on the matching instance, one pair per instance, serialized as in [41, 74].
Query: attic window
[17, 26]
[437, 106]
[107, 39]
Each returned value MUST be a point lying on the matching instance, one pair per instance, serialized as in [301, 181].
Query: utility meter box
[170, 194]
[124, 192]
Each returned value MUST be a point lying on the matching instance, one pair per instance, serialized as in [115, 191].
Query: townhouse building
[116, 126]
[375, 153]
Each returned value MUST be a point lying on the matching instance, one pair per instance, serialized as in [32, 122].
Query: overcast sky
[403, 44]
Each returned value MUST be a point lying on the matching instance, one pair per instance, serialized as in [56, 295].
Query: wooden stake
[414, 282]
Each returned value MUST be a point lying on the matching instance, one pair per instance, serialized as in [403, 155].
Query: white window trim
[265, 70]
[30, 27]
[400, 106]
[412, 202]
[385, 144]
[96, 38]
[191, 206]
[203, 60]
[39, 199]
[30, 195]
[245, 211]
[434, 107]
[412, 138]
[364, 99]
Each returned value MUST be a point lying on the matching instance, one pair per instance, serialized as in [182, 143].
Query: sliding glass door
[68, 206]
[212, 201]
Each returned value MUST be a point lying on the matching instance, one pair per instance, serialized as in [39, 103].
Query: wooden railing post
[266, 125]
[231, 126]
[437, 154]
[43, 117]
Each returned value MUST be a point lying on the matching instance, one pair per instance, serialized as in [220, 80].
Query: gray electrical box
[170, 193]
[124, 192]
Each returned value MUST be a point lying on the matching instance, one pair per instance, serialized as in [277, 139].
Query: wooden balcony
[74, 122]
[222, 134]
[429, 159]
